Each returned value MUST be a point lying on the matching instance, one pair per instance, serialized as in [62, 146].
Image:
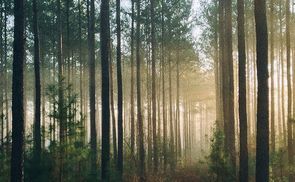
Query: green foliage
[220, 168]
[77, 154]
[252, 164]
[35, 172]
[75, 127]
[76, 159]
[279, 165]
[75, 164]
[5, 166]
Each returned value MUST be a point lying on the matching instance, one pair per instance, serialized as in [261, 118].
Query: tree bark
[5, 77]
[114, 132]
[120, 92]
[138, 83]
[228, 86]
[217, 71]
[132, 115]
[37, 121]
[272, 107]
[289, 90]
[282, 76]
[262, 137]
[2, 76]
[61, 116]
[243, 172]
[178, 137]
[91, 53]
[18, 127]
[172, 143]
[81, 73]
[105, 99]
[163, 88]
[154, 109]
[220, 125]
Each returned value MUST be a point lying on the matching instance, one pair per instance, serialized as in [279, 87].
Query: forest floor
[179, 175]
[186, 175]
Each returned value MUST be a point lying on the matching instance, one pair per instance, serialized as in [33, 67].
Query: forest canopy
[147, 90]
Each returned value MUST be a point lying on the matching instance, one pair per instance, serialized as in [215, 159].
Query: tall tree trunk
[279, 109]
[120, 92]
[201, 127]
[243, 172]
[132, 115]
[114, 132]
[54, 104]
[149, 108]
[81, 73]
[6, 77]
[61, 116]
[262, 137]
[86, 76]
[2, 76]
[54, 45]
[178, 138]
[172, 143]
[37, 117]
[289, 87]
[280, 126]
[147, 33]
[272, 106]
[185, 129]
[292, 72]
[67, 63]
[228, 84]
[18, 127]
[139, 114]
[91, 53]
[255, 89]
[43, 101]
[282, 75]
[105, 99]
[221, 61]
[248, 96]
[154, 109]
[159, 114]
[163, 88]
[217, 71]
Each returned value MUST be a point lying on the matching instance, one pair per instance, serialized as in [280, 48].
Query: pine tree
[120, 91]
[262, 137]
[242, 95]
[91, 53]
[37, 123]
[105, 94]
[18, 124]
[138, 89]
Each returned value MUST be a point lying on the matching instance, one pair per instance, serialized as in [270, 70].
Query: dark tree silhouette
[154, 109]
[221, 59]
[138, 89]
[18, 124]
[120, 91]
[272, 99]
[163, 86]
[37, 124]
[228, 85]
[289, 90]
[262, 137]
[1, 81]
[242, 95]
[105, 94]
[132, 115]
[91, 53]
[61, 117]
